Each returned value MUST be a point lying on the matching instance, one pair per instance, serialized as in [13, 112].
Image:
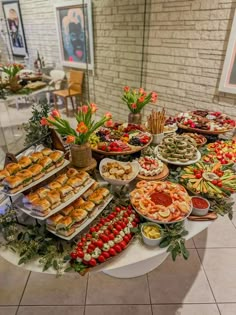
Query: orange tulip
[55, 113]
[81, 127]
[108, 115]
[93, 108]
[108, 123]
[70, 139]
[44, 122]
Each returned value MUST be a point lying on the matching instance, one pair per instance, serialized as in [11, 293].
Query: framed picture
[15, 29]
[228, 76]
[75, 34]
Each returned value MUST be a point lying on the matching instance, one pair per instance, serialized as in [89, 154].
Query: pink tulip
[55, 113]
[134, 105]
[126, 89]
[154, 97]
[44, 122]
[141, 99]
[108, 123]
[85, 109]
[94, 108]
[108, 115]
[141, 91]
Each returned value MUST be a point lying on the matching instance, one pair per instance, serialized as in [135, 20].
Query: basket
[81, 155]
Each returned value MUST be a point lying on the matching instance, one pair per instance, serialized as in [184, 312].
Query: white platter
[46, 176]
[87, 221]
[175, 128]
[177, 162]
[19, 204]
[135, 166]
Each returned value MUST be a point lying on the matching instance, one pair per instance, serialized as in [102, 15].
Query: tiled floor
[203, 285]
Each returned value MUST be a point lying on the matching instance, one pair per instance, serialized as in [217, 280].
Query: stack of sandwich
[16, 176]
[67, 220]
[63, 188]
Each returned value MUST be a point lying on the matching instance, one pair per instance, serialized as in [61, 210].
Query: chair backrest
[76, 80]
[57, 75]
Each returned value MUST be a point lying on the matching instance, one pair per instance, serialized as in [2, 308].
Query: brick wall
[185, 46]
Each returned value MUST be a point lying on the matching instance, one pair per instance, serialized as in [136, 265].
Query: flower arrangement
[137, 99]
[11, 69]
[85, 127]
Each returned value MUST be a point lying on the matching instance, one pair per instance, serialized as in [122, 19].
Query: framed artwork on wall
[12, 14]
[75, 33]
[228, 76]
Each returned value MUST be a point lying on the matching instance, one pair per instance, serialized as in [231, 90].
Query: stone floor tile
[50, 310]
[185, 309]
[118, 310]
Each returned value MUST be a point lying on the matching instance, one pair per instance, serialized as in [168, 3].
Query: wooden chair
[74, 89]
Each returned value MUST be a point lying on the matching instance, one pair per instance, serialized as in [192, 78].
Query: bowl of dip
[200, 206]
[151, 233]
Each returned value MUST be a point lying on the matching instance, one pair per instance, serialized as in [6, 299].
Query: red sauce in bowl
[199, 203]
[160, 198]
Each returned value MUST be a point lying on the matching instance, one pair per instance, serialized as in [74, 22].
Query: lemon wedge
[164, 213]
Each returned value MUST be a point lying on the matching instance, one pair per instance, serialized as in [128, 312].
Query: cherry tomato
[107, 232]
[129, 236]
[104, 238]
[111, 237]
[125, 215]
[123, 208]
[73, 255]
[134, 224]
[83, 239]
[123, 225]
[136, 220]
[198, 175]
[92, 230]
[125, 220]
[89, 250]
[101, 258]
[123, 244]
[111, 216]
[91, 246]
[115, 232]
[102, 221]
[118, 227]
[80, 244]
[117, 248]
[219, 184]
[214, 181]
[126, 239]
[80, 254]
[92, 262]
[89, 236]
[99, 243]
[106, 254]
[112, 252]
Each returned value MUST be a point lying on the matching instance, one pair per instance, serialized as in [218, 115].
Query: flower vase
[13, 84]
[135, 118]
[81, 155]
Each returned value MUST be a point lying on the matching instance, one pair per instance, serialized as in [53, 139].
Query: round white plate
[177, 162]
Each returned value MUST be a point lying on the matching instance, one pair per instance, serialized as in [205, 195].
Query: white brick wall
[185, 46]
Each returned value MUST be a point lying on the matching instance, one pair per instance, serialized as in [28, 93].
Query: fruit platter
[212, 180]
[105, 239]
[178, 150]
[161, 202]
[151, 168]
[223, 151]
[170, 125]
[198, 138]
[204, 121]
[120, 139]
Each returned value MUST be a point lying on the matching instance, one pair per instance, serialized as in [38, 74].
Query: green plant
[222, 207]
[34, 130]
[85, 127]
[137, 99]
[11, 69]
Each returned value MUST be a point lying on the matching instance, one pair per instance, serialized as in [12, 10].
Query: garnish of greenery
[173, 239]
[222, 207]
[174, 175]
[34, 130]
[34, 242]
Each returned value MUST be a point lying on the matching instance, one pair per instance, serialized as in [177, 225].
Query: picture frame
[15, 29]
[228, 76]
[75, 34]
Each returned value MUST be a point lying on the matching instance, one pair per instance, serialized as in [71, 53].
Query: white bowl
[157, 138]
[151, 241]
[135, 167]
[200, 212]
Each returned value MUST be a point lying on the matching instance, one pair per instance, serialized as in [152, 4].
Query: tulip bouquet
[137, 99]
[11, 69]
[85, 127]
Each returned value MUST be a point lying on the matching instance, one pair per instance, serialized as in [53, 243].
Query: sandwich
[71, 172]
[54, 185]
[42, 192]
[62, 179]
[89, 191]
[41, 207]
[25, 162]
[75, 183]
[96, 197]
[36, 170]
[88, 206]
[46, 151]
[3, 173]
[104, 191]
[65, 226]
[47, 164]
[13, 168]
[54, 198]
[53, 221]
[66, 192]
[78, 203]
[78, 215]
[26, 176]
[83, 175]
[36, 156]
[13, 184]
[67, 210]
[28, 199]
[57, 157]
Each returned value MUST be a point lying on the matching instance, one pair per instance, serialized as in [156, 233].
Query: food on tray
[151, 231]
[26, 175]
[156, 122]
[120, 138]
[223, 151]
[3, 173]
[199, 139]
[28, 199]
[206, 121]
[43, 191]
[78, 215]
[41, 207]
[67, 210]
[54, 220]
[53, 197]
[47, 164]
[213, 180]
[88, 205]
[116, 170]
[90, 190]
[13, 183]
[161, 201]
[54, 185]
[66, 192]
[98, 246]
[149, 166]
[96, 197]
[57, 157]
[62, 179]
[36, 156]
[25, 162]
[71, 172]
[65, 226]
[36, 170]
[178, 148]
[46, 151]
[13, 168]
